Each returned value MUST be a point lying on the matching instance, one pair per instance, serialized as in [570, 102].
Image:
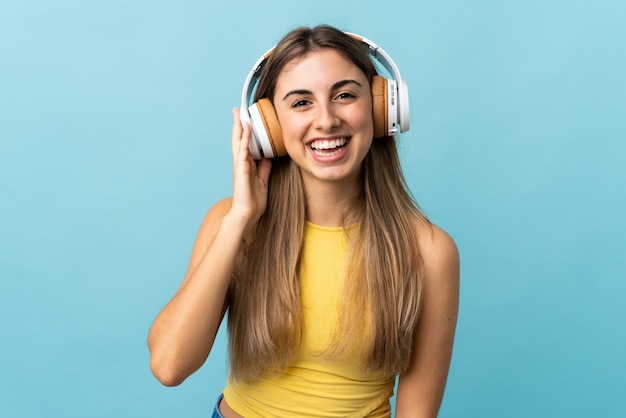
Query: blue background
[115, 122]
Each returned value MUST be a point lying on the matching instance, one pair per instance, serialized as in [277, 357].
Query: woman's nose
[326, 118]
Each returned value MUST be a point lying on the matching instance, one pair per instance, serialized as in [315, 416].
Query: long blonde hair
[384, 263]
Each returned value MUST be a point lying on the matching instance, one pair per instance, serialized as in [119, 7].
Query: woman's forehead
[318, 65]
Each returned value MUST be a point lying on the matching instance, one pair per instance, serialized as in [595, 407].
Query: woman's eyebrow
[340, 84]
[335, 86]
[299, 92]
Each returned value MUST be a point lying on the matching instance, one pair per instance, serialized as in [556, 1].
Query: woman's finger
[237, 133]
[244, 143]
[263, 170]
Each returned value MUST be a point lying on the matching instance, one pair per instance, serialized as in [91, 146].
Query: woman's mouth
[328, 147]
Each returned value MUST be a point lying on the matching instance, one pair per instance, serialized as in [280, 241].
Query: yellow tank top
[313, 386]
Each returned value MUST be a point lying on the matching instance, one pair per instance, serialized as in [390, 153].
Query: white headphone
[390, 99]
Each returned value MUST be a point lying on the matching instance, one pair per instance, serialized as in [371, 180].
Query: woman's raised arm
[183, 333]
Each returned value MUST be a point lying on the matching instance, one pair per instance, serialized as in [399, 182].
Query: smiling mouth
[328, 147]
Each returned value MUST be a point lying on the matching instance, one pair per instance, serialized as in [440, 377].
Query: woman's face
[324, 105]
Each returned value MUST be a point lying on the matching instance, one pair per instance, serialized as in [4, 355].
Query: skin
[324, 96]
[318, 97]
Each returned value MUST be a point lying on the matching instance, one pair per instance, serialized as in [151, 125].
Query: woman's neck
[327, 201]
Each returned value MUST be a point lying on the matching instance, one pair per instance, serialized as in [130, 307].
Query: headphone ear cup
[272, 127]
[379, 106]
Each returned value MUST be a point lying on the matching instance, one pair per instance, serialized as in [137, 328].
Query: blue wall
[115, 124]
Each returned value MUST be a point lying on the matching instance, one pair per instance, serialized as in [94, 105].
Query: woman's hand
[250, 178]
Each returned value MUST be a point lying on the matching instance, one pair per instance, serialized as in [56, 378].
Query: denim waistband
[216, 410]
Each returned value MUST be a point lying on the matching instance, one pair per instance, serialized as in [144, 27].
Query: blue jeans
[216, 411]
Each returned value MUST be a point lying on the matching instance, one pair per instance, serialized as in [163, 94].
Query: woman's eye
[300, 103]
[345, 95]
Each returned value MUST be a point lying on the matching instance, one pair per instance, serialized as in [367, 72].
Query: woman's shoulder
[212, 220]
[221, 207]
[438, 250]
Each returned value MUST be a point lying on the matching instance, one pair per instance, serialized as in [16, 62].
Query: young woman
[335, 283]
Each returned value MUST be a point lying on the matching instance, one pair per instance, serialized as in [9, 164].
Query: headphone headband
[379, 55]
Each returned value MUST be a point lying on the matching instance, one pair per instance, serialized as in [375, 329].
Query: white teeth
[327, 154]
[328, 144]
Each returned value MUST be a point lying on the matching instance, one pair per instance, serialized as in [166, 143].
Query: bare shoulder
[207, 231]
[439, 253]
[214, 216]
